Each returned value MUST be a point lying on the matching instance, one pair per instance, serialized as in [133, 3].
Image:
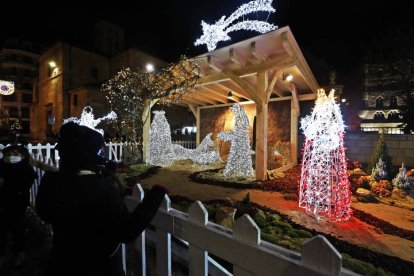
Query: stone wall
[362, 145]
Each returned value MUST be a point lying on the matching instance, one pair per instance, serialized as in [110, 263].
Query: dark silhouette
[16, 179]
[86, 208]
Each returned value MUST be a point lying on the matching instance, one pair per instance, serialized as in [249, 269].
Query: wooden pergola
[254, 71]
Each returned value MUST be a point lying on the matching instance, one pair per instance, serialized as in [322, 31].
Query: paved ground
[354, 231]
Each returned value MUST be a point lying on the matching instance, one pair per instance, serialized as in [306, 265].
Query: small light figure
[52, 64]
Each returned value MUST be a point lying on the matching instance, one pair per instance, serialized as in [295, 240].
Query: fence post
[164, 245]
[198, 257]
[140, 241]
[110, 151]
[320, 255]
[246, 231]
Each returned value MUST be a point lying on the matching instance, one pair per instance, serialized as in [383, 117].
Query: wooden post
[146, 119]
[164, 245]
[198, 257]
[294, 116]
[198, 127]
[261, 126]
[320, 255]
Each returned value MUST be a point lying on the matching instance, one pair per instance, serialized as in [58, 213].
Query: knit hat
[78, 146]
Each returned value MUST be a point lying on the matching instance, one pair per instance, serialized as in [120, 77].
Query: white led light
[161, 150]
[239, 162]
[324, 186]
[88, 119]
[219, 31]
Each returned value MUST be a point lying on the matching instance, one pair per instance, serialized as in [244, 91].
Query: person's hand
[160, 188]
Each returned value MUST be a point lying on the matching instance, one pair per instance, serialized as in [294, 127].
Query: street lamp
[149, 67]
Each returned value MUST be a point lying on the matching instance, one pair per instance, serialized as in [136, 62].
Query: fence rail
[188, 144]
[242, 247]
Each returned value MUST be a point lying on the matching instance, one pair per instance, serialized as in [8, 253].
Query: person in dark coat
[86, 208]
[16, 179]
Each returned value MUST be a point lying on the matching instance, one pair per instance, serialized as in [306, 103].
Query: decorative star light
[212, 34]
[324, 186]
[88, 119]
[6, 87]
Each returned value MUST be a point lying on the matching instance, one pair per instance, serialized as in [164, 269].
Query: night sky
[333, 32]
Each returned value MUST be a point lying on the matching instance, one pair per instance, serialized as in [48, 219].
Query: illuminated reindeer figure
[239, 162]
[88, 119]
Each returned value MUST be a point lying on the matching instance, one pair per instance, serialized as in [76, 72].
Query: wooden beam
[236, 57]
[261, 126]
[256, 52]
[236, 91]
[188, 100]
[307, 97]
[271, 85]
[213, 63]
[146, 120]
[295, 98]
[198, 118]
[243, 85]
[250, 70]
[202, 98]
[193, 110]
[287, 46]
[216, 95]
[294, 116]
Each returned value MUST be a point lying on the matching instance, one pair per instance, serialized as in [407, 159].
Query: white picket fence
[241, 247]
[188, 144]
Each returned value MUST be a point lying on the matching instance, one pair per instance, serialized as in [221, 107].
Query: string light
[88, 119]
[402, 181]
[239, 162]
[161, 150]
[6, 87]
[324, 186]
[219, 31]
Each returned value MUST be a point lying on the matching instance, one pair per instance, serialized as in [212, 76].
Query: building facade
[70, 78]
[18, 63]
[379, 110]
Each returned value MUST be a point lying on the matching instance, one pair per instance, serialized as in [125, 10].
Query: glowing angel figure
[239, 162]
[324, 186]
[88, 119]
[212, 34]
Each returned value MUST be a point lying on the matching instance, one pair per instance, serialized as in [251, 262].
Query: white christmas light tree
[380, 171]
[324, 185]
[402, 181]
[219, 31]
[88, 119]
[239, 161]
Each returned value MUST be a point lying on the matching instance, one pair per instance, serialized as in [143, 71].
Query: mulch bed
[382, 225]
[198, 177]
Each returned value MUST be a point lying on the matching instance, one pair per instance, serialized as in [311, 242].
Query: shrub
[381, 151]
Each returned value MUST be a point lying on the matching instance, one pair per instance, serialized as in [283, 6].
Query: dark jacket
[89, 220]
[17, 180]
